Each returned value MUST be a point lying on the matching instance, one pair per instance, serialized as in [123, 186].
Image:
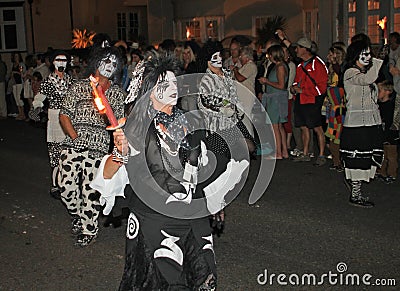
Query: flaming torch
[382, 24]
[103, 106]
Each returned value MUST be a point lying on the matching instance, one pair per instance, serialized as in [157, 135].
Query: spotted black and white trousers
[77, 170]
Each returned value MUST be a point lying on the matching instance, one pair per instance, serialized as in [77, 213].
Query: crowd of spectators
[305, 97]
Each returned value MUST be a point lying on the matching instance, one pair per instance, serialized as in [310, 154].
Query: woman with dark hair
[361, 144]
[53, 90]
[163, 158]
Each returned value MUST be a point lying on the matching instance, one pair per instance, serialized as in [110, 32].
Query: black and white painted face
[216, 60]
[365, 57]
[60, 63]
[166, 90]
[108, 66]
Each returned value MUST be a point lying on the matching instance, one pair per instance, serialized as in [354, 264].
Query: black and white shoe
[76, 227]
[361, 202]
[83, 240]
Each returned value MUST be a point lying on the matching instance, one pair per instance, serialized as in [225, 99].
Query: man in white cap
[309, 87]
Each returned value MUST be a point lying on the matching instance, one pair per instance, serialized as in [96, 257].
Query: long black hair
[99, 52]
[155, 65]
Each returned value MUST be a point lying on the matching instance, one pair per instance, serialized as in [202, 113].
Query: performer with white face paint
[108, 65]
[52, 91]
[361, 145]
[87, 140]
[169, 245]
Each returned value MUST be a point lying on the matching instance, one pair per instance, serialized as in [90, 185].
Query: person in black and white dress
[158, 164]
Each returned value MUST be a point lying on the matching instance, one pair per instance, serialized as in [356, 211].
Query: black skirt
[164, 253]
[362, 147]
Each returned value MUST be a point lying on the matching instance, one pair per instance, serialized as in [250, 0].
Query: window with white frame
[127, 25]
[212, 29]
[192, 29]
[199, 28]
[12, 29]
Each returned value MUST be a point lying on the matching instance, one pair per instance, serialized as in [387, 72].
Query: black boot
[356, 198]
[55, 193]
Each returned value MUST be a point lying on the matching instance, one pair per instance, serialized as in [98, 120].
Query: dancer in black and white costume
[52, 91]
[169, 239]
[87, 140]
[361, 145]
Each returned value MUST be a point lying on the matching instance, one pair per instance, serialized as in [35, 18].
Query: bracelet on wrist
[118, 157]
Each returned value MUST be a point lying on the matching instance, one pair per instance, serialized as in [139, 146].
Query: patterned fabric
[218, 95]
[54, 149]
[54, 88]
[87, 121]
[335, 113]
[150, 265]
[174, 125]
[136, 82]
[79, 198]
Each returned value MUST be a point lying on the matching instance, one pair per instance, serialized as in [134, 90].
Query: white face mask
[365, 57]
[216, 60]
[60, 63]
[108, 66]
[166, 90]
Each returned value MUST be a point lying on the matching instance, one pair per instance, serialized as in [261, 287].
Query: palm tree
[267, 31]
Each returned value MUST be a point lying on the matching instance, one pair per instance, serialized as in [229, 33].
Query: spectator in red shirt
[309, 86]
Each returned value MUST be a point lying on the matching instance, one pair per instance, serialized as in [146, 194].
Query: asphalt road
[302, 228]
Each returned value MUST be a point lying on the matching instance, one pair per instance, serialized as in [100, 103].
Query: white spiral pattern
[132, 228]
[341, 267]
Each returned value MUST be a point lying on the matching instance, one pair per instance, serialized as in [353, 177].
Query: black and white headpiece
[136, 83]
[147, 73]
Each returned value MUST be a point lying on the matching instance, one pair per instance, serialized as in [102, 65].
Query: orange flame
[187, 32]
[382, 23]
[97, 100]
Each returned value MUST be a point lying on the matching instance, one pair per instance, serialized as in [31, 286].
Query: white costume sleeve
[38, 100]
[110, 188]
[216, 191]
